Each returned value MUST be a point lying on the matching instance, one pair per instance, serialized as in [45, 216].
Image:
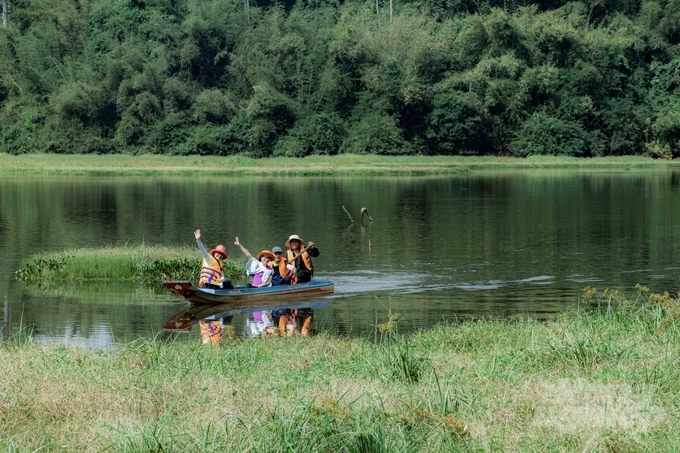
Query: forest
[265, 78]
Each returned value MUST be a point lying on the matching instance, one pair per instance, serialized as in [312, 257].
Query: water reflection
[294, 316]
[508, 244]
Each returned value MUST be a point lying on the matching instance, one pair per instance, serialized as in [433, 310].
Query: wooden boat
[185, 319]
[243, 297]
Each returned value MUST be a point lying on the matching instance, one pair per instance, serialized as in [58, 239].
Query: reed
[148, 264]
[601, 378]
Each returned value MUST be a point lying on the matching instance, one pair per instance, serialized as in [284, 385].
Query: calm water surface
[505, 244]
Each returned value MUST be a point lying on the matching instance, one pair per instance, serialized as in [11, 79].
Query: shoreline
[588, 380]
[340, 165]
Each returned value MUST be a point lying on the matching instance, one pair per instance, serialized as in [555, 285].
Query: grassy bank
[605, 381]
[148, 264]
[344, 164]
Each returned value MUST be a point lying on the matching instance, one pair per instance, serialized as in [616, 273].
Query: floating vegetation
[148, 264]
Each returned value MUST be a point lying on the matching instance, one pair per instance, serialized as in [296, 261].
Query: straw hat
[266, 253]
[220, 248]
[294, 236]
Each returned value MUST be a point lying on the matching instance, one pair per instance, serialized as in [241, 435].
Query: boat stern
[183, 288]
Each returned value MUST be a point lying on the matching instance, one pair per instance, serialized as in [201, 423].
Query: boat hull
[243, 297]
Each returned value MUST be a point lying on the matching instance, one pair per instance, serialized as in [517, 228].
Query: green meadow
[602, 378]
[340, 165]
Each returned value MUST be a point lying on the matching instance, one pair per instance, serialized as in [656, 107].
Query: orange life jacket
[211, 331]
[283, 270]
[210, 273]
[306, 260]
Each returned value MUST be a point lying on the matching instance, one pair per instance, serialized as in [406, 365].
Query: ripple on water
[371, 281]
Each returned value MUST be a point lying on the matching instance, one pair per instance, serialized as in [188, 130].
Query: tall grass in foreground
[599, 380]
[146, 263]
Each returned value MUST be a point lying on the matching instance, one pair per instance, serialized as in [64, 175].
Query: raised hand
[197, 235]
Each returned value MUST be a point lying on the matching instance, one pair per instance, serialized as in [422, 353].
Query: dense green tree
[220, 77]
[456, 124]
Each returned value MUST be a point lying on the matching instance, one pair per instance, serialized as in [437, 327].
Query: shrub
[456, 123]
[376, 133]
[547, 135]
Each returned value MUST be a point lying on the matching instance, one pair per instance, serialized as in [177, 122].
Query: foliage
[325, 77]
[456, 124]
[543, 134]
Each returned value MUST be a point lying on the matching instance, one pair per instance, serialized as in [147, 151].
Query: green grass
[604, 379]
[148, 264]
[345, 164]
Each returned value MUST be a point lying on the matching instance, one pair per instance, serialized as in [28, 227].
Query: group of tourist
[269, 268]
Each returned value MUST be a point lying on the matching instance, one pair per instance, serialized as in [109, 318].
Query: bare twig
[14, 82]
[365, 211]
[350, 217]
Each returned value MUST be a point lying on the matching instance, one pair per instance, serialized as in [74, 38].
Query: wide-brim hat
[294, 236]
[266, 253]
[220, 248]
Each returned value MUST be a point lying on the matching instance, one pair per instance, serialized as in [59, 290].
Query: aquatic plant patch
[148, 264]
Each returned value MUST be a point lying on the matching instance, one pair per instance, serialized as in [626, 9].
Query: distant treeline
[264, 78]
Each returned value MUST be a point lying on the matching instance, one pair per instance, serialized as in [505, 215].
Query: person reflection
[259, 324]
[287, 319]
[212, 329]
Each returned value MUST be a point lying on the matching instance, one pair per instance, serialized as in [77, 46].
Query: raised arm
[243, 249]
[204, 252]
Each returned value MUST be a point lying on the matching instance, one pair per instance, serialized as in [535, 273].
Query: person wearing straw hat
[301, 258]
[212, 270]
[260, 269]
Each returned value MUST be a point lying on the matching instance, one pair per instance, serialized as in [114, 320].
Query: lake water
[521, 243]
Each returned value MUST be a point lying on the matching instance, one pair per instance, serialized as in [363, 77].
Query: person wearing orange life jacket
[283, 270]
[301, 258]
[212, 272]
[286, 318]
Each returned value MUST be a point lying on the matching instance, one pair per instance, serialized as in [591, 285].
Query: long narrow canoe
[243, 297]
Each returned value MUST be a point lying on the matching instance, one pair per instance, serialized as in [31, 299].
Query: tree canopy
[268, 78]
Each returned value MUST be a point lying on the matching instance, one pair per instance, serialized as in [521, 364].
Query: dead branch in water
[365, 211]
[350, 217]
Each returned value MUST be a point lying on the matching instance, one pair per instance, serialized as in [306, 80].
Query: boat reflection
[262, 320]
